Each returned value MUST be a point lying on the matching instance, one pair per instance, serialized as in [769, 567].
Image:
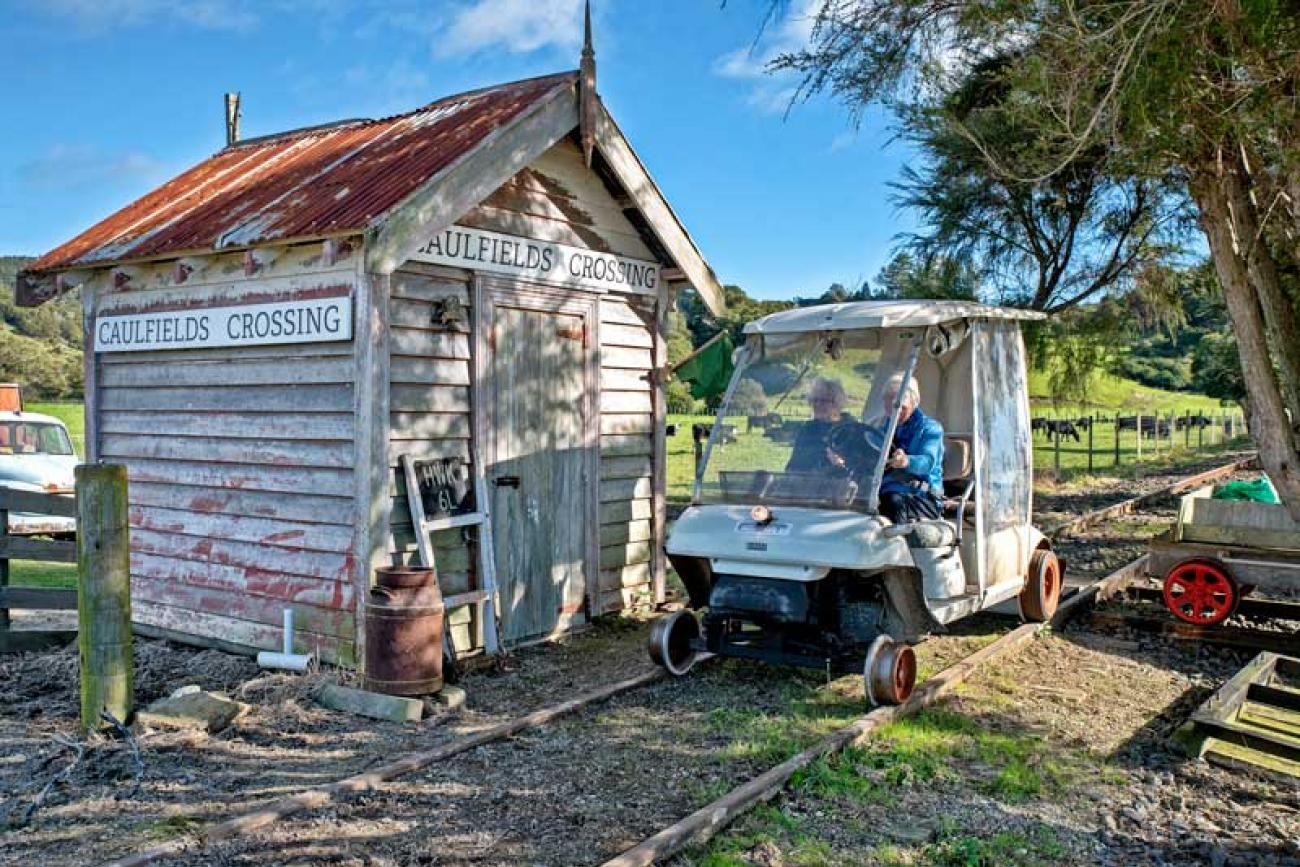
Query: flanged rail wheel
[1042, 589]
[670, 641]
[1201, 591]
[889, 672]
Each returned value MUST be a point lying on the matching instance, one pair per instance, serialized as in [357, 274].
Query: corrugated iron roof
[305, 183]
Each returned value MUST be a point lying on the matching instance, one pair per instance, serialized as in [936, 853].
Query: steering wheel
[857, 444]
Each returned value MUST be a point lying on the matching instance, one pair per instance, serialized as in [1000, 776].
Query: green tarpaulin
[1259, 490]
[710, 371]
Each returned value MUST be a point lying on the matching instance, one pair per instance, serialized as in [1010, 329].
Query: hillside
[1110, 394]
[40, 347]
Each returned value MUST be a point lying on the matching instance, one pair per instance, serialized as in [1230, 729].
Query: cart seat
[958, 468]
[957, 463]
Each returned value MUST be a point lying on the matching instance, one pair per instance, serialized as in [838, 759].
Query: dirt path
[543, 797]
[569, 793]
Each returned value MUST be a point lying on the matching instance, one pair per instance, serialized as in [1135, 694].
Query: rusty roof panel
[313, 182]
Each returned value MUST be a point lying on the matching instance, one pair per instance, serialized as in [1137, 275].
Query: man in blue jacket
[912, 487]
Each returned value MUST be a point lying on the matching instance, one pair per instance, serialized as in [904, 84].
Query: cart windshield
[804, 421]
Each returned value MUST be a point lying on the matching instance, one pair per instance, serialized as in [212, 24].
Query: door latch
[506, 481]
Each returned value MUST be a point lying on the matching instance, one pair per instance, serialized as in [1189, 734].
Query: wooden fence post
[1092, 422]
[1139, 438]
[1056, 453]
[1116, 440]
[104, 594]
[4, 571]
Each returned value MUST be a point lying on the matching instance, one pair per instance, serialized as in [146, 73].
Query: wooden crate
[1235, 522]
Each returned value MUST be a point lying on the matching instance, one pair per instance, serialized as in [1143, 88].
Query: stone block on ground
[372, 704]
[192, 710]
[451, 697]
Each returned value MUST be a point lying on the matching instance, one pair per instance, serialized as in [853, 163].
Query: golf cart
[799, 567]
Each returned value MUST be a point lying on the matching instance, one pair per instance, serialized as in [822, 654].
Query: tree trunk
[1269, 426]
[1279, 314]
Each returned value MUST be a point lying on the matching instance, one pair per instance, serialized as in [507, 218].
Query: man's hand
[835, 459]
[898, 460]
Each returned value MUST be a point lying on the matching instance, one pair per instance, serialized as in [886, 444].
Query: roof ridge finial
[588, 53]
[587, 90]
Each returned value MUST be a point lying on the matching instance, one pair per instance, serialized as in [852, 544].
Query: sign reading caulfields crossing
[314, 320]
[543, 261]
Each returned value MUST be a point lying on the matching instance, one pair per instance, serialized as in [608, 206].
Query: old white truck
[36, 454]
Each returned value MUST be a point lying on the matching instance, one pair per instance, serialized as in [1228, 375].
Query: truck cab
[36, 454]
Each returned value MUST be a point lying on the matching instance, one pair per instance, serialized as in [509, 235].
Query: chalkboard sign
[446, 487]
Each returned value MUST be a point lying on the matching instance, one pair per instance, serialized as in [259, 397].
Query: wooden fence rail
[1141, 436]
[23, 548]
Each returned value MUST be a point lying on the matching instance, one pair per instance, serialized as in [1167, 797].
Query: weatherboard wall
[240, 460]
[556, 199]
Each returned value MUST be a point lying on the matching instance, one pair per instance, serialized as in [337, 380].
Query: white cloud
[771, 92]
[518, 26]
[101, 15]
[65, 167]
[770, 97]
[844, 140]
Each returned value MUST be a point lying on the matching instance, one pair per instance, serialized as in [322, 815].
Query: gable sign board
[543, 261]
[312, 320]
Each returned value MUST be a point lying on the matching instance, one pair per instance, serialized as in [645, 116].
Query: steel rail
[1125, 507]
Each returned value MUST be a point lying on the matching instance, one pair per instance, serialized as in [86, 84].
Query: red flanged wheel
[1042, 589]
[889, 672]
[1201, 592]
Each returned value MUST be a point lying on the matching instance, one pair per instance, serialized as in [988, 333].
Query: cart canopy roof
[880, 314]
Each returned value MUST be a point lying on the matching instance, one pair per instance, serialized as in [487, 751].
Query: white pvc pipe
[286, 659]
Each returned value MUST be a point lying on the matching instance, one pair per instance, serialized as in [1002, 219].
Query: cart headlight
[761, 515]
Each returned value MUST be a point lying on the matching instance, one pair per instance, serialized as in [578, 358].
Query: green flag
[710, 371]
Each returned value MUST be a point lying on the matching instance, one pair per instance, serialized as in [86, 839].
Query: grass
[1013, 767]
[1038, 846]
[29, 573]
[934, 748]
[769, 739]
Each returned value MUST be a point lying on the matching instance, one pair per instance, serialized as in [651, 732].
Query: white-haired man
[810, 453]
[912, 487]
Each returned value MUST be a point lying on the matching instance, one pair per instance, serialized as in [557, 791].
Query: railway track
[1258, 624]
[707, 821]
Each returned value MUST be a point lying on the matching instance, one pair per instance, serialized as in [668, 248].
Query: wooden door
[539, 471]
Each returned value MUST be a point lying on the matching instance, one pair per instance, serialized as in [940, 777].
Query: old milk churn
[404, 615]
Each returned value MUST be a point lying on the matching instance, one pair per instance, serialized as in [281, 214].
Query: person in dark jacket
[811, 452]
[912, 486]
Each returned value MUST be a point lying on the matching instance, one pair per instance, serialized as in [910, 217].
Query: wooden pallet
[1253, 721]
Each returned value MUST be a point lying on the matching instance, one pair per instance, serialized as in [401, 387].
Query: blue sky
[108, 98]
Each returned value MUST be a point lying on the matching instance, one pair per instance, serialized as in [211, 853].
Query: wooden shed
[480, 284]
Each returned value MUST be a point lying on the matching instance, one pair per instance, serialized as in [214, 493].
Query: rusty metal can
[404, 615]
